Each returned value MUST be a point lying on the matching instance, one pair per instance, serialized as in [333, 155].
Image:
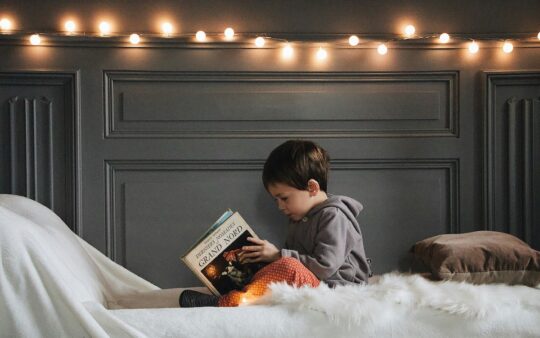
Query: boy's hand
[262, 251]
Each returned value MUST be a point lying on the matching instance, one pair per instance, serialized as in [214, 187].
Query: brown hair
[294, 163]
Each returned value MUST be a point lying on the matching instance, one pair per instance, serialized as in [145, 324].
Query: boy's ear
[313, 187]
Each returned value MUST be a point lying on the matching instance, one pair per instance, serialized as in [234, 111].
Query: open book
[214, 257]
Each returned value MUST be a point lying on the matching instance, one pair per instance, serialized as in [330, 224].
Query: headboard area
[140, 148]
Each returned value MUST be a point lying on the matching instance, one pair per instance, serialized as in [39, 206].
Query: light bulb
[5, 24]
[538, 36]
[134, 38]
[508, 47]
[259, 42]
[70, 26]
[229, 33]
[409, 30]
[166, 28]
[321, 54]
[473, 47]
[35, 39]
[382, 49]
[353, 40]
[104, 28]
[444, 38]
[287, 51]
[200, 36]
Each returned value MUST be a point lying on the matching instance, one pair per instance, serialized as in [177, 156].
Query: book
[213, 258]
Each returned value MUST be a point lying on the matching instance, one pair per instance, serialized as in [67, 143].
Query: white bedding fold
[54, 284]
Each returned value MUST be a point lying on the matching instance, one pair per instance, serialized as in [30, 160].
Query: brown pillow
[480, 257]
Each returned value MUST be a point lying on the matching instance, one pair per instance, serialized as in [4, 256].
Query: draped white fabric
[54, 284]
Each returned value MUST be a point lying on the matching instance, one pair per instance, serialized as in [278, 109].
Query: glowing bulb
[508, 47]
[444, 38]
[104, 28]
[287, 51]
[229, 33]
[353, 40]
[134, 38]
[382, 49]
[409, 30]
[538, 36]
[5, 24]
[473, 47]
[35, 39]
[70, 26]
[321, 54]
[200, 36]
[259, 42]
[166, 28]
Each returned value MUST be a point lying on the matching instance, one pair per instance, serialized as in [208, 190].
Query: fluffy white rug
[396, 294]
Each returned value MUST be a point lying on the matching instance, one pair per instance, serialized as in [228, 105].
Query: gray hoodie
[328, 241]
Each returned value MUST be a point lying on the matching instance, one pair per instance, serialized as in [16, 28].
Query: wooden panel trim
[449, 77]
[115, 241]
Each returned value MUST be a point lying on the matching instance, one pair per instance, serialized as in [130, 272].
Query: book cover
[214, 257]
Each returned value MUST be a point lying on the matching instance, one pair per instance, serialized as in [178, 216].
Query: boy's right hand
[261, 251]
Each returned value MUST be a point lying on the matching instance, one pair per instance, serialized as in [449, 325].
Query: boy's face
[294, 203]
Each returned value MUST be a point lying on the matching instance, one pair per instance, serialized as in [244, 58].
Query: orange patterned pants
[285, 269]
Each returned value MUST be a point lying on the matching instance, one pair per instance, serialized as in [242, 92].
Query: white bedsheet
[54, 284]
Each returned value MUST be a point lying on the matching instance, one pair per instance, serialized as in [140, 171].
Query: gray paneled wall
[140, 149]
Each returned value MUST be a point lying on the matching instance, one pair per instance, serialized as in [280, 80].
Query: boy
[323, 235]
[324, 241]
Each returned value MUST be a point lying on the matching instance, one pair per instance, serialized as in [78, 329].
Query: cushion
[480, 257]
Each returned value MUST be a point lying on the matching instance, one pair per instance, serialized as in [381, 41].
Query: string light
[382, 49]
[70, 26]
[321, 54]
[409, 31]
[473, 47]
[200, 36]
[444, 38]
[229, 33]
[104, 28]
[287, 51]
[508, 47]
[35, 39]
[354, 40]
[5, 25]
[259, 42]
[134, 38]
[167, 28]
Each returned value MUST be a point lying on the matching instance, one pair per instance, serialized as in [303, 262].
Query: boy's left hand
[262, 251]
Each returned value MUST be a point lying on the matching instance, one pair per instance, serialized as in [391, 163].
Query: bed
[53, 283]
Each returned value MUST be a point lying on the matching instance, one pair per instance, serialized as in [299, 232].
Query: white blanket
[54, 284]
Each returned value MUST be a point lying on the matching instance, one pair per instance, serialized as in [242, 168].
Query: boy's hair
[294, 163]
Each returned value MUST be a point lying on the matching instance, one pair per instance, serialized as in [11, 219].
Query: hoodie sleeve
[332, 245]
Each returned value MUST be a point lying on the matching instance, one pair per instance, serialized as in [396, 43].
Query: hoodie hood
[349, 206]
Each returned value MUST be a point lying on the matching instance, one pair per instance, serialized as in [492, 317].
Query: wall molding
[115, 241]
[112, 117]
[492, 80]
[70, 82]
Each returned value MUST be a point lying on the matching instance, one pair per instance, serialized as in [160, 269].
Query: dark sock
[190, 298]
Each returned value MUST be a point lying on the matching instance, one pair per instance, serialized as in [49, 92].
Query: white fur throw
[494, 310]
